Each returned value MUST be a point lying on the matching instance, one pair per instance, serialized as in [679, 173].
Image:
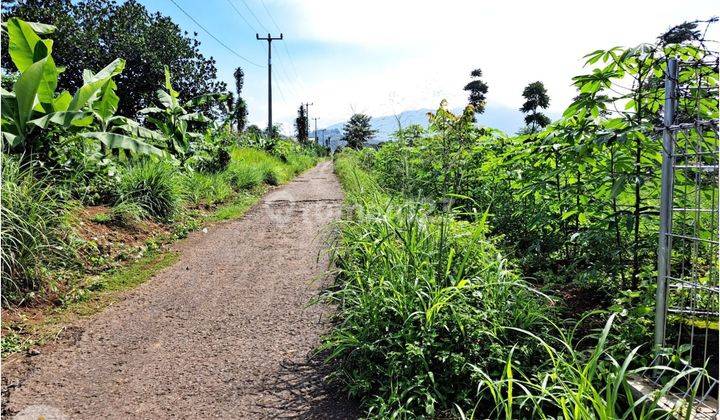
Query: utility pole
[269, 40]
[307, 117]
[317, 140]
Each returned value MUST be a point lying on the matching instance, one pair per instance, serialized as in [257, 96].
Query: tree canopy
[92, 33]
[478, 89]
[358, 131]
[536, 97]
[301, 125]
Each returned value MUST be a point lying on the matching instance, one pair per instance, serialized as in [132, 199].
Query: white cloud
[410, 54]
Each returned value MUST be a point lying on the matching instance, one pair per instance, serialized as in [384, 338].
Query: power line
[241, 15]
[254, 15]
[288, 79]
[213, 36]
[268, 13]
[287, 50]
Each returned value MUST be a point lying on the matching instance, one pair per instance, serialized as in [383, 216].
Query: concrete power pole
[317, 140]
[269, 40]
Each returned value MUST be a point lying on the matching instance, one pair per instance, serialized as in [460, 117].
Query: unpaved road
[226, 332]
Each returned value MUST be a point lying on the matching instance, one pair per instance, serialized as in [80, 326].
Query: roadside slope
[224, 332]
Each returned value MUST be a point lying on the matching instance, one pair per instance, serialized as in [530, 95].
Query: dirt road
[224, 333]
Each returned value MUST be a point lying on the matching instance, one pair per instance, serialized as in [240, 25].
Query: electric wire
[213, 36]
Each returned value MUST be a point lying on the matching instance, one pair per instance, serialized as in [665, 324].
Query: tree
[536, 97]
[358, 131]
[92, 33]
[301, 125]
[240, 111]
[478, 89]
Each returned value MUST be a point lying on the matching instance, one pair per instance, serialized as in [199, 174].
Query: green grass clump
[127, 213]
[577, 381]
[248, 163]
[154, 186]
[35, 229]
[206, 188]
[243, 176]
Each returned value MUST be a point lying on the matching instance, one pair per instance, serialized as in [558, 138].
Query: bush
[154, 186]
[202, 188]
[34, 233]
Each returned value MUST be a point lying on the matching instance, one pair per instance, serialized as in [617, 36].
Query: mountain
[504, 118]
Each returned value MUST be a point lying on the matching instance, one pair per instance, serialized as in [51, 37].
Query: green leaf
[94, 82]
[26, 89]
[21, 43]
[119, 141]
[107, 105]
[64, 118]
[48, 84]
[62, 101]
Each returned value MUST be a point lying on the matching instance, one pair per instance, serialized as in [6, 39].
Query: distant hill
[503, 118]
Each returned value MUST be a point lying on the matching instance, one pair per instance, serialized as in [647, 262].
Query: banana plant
[33, 105]
[173, 120]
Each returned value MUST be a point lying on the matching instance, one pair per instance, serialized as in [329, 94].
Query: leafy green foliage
[301, 125]
[536, 97]
[34, 106]
[240, 111]
[173, 119]
[209, 189]
[578, 384]
[92, 33]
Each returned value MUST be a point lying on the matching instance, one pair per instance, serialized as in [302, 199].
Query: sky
[383, 57]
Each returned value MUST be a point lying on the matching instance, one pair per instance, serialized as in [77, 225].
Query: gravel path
[226, 332]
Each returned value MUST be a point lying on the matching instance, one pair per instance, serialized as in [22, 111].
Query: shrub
[154, 186]
[203, 188]
[34, 232]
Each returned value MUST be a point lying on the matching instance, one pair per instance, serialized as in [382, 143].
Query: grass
[421, 298]
[35, 232]
[206, 188]
[154, 186]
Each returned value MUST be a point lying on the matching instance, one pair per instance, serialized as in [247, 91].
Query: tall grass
[34, 229]
[421, 298]
[206, 188]
[247, 164]
[154, 186]
[585, 382]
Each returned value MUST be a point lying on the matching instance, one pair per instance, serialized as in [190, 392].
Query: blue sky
[383, 57]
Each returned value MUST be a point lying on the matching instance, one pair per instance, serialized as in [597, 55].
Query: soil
[226, 332]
